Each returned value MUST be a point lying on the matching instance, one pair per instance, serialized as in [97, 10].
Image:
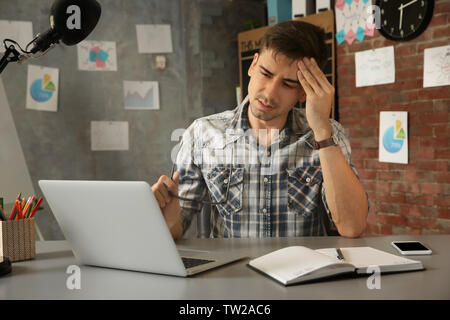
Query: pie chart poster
[393, 142]
[42, 88]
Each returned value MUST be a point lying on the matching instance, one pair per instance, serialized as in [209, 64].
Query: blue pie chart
[391, 144]
[38, 93]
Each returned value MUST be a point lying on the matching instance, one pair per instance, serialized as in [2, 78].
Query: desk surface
[45, 277]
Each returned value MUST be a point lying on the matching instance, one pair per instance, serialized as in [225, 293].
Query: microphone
[71, 21]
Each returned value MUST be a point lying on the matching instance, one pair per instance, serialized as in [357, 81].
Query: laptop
[118, 224]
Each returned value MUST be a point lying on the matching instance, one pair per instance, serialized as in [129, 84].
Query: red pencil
[35, 208]
[13, 210]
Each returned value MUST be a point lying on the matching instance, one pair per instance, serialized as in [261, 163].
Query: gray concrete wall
[200, 78]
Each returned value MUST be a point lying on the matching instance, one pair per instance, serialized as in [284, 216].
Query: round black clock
[402, 20]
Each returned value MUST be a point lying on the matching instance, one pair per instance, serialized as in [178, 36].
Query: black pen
[339, 254]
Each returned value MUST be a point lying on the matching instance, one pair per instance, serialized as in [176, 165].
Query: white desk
[45, 277]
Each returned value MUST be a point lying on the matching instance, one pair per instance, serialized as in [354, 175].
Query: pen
[339, 254]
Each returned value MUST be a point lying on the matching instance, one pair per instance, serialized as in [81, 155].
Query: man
[273, 181]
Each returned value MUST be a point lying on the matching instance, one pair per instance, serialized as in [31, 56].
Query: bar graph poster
[393, 142]
[141, 95]
[97, 56]
[42, 88]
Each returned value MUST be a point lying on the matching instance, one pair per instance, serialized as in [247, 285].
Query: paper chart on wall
[375, 66]
[97, 56]
[42, 88]
[436, 70]
[154, 38]
[352, 20]
[141, 95]
[19, 31]
[109, 135]
[393, 140]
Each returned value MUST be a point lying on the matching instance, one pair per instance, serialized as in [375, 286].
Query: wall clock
[403, 20]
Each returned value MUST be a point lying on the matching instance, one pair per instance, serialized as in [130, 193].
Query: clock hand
[408, 4]
[401, 17]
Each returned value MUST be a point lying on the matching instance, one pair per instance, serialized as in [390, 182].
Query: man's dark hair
[296, 39]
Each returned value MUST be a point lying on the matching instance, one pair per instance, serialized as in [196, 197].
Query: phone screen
[410, 246]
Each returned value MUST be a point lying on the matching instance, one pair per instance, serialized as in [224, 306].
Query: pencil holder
[17, 239]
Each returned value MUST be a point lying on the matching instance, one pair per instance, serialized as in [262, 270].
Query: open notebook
[298, 264]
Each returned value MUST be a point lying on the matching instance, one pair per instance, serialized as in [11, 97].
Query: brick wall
[411, 198]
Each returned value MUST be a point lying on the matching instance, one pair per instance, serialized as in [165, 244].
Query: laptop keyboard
[190, 262]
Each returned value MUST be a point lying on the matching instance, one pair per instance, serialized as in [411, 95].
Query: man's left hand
[319, 97]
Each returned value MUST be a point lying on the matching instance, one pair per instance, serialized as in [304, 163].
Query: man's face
[274, 88]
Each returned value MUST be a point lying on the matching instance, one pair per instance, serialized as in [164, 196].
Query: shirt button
[264, 210]
[266, 180]
[225, 181]
[308, 179]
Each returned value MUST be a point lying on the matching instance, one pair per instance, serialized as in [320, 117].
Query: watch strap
[324, 143]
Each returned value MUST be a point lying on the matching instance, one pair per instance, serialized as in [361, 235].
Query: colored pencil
[35, 208]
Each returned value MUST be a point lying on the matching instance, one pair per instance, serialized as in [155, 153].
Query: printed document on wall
[19, 31]
[141, 95]
[393, 140]
[375, 66]
[436, 70]
[109, 135]
[42, 88]
[154, 38]
[97, 56]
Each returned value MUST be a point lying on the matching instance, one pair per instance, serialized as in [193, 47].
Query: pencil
[2, 214]
[35, 208]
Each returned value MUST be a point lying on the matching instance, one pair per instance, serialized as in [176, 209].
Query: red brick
[443, 154]
[432, 165]
[444, 213]
[438, 20]
[423, 200]
[441, 7]
[367, 174]
[372, 218]
[390, 175]
[437, 117]
[442, 201]
[436, 142]
[410, 210]
[443, 32]
[415, 231]
[386, 229]
[391, 198]
[422, 223]
[442, 177]
[396, 220]
[433, 93]
[404, 49]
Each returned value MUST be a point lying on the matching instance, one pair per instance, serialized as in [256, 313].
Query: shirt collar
[296, 123]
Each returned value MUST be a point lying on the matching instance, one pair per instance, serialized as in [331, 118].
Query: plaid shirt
[274, 191]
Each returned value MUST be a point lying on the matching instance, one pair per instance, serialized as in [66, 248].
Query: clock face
[403, 20]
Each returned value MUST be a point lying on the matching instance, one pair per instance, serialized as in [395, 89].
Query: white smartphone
[410, 247]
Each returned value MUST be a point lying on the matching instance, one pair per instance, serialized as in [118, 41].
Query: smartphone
[410, 247]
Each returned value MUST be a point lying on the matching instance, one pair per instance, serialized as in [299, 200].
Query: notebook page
[291, 262]
[362, 257]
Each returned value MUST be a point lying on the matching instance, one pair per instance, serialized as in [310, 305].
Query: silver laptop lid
[116, 224]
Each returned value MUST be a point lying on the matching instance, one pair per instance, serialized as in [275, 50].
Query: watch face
[402, 20]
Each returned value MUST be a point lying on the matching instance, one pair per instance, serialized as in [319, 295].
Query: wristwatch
[332, 141]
